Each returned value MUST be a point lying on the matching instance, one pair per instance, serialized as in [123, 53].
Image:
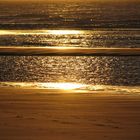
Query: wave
[74, 87]
[87, 16]
[97, 38]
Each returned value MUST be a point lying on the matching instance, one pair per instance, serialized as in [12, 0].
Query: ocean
[90, 25]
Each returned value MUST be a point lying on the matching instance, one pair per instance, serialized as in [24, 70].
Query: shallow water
[97, 38]
[93, 70]
[86, 70]
[72, 88]
[91, 25]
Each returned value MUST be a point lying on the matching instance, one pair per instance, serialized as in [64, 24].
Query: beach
[36, 114]
[69, 70]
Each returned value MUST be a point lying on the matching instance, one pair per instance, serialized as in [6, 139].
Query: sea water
[91, 25]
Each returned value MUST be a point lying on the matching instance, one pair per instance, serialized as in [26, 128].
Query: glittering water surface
[69, 15]
[72, 38]
[85, 70]
[71, 25]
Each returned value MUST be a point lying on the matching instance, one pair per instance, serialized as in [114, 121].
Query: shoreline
[34, 91]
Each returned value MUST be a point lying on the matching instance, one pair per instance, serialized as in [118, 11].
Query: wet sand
[37, 115]
[67, 51]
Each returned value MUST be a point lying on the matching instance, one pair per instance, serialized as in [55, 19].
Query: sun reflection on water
[39, 32]
[71, 87]
[63, 86]
[64, 32]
